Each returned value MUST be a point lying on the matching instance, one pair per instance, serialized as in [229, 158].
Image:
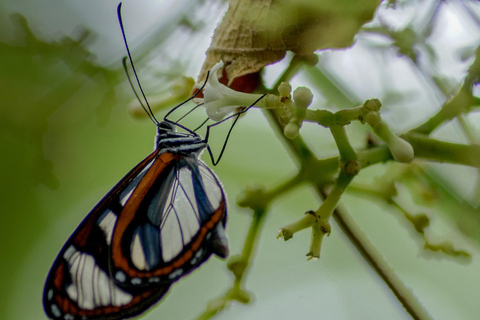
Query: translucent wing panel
[181, 220]
[127, 192]
[179, 205]
[171, 223]
[212, 186]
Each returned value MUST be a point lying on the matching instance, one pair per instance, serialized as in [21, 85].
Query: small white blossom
[219, 100]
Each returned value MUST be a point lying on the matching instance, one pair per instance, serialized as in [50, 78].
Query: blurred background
[66, 138]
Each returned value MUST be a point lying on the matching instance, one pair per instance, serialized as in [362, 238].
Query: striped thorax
[169, 140]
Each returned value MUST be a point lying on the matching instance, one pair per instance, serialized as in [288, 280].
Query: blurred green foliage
[37, 78]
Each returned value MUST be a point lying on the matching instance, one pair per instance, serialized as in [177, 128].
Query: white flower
[219, 100]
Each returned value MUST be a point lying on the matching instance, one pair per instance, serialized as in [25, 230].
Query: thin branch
[379, 265]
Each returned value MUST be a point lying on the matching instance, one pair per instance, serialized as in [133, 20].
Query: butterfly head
[165, 127]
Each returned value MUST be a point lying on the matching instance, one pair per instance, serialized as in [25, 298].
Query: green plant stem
[324, 213]
[344, 147]
[426, 148]
[441, 151]
[473, 138]
[326, 209]
[381, 267]
[284, 187]
[236, 292]
[460, 103]
[307, 221]
[320, 219]
[251, 240]
[253, 235]
[322, 225]
[417, 222]
[374, 155]
[468, 130]
[326, 118]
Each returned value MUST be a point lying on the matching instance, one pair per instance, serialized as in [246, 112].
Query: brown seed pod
[255, 33]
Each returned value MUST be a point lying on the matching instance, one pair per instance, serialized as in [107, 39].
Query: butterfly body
[160, 222]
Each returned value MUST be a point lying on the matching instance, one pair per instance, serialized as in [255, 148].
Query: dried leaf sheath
[255, 33]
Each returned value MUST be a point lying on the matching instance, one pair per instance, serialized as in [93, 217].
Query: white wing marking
[91, 286]
[108, 224]
[138, 255]
[125, 198]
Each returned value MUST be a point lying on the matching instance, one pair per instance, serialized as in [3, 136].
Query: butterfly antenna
[236, 116]
[176, 123]
[193, 109]
[147, 108]
[201, 125]
[124, 63]
[192, 97]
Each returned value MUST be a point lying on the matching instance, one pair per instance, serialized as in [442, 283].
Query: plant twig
[381, 267]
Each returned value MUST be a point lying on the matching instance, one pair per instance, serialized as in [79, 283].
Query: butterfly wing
[170, 225]
[79, 285]
[161, 221]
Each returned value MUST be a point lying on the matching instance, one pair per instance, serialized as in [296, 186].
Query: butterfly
[161, 221]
